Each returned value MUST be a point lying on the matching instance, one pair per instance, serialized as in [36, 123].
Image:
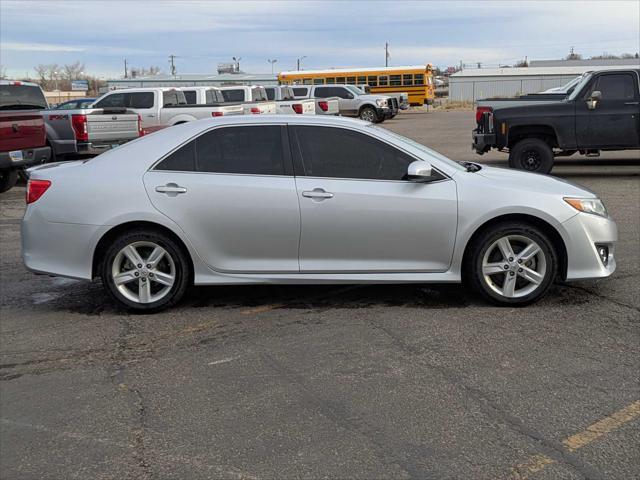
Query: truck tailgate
[232, 109]
[105, 127]
[21, 130]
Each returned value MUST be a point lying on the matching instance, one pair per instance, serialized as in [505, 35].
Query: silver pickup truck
[324, 106]
[89, 131]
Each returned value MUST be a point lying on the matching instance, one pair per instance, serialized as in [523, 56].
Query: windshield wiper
[470, 166]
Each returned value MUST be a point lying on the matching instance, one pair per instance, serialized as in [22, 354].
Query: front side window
[341, 153]
[115, 100]
[249, 150]
[618, 86]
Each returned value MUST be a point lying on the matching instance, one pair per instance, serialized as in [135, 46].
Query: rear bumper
[30, 157]
[482, 142]
[96, 148]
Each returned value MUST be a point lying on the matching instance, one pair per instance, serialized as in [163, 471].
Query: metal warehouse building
[474, 84]
[190, 80]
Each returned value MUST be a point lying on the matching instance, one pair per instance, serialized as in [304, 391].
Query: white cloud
[39, 47]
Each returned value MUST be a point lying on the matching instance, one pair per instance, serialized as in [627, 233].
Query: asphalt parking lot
[415, 382]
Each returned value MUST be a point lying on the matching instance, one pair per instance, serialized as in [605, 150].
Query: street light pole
[272, 61]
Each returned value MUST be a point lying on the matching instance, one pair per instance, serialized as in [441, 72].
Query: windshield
[578, 88]
[355, 90]
[420, 147]
[14, 97]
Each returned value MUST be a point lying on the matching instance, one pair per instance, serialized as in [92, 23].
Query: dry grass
[445, 105]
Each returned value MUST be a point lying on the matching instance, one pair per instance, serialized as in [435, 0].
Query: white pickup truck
[324, 106]
[157, 107]
[211, 96]
[253, 98]
[286, 104]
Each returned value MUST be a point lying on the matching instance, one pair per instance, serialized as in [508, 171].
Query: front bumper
[585, 232]
[482, 142]
[30, 157]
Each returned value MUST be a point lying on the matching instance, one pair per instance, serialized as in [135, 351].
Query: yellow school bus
[416, 80]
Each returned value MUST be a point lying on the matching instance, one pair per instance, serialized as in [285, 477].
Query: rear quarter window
[233, 95]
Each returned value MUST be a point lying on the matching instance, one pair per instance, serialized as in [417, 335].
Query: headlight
[588, 205]
[381, 103]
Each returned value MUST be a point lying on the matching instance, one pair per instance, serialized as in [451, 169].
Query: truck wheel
[368, 114]
[533, 155]
[8, 179]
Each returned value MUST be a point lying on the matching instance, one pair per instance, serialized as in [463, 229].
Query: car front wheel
[512, 264]
[368, 114]
[145, 271]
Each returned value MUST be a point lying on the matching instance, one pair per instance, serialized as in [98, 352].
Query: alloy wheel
[143, 272]
[531, 160]
[367, 115]
[514, 266]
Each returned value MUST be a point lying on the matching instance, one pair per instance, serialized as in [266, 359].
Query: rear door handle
[171, 189]
[317, 193]
[632, 103]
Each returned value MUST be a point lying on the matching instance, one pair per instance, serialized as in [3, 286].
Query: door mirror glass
[419, 171]
[592, 102]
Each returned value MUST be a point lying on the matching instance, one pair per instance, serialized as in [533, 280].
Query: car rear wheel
[145, 271]
[533, 155]
[8, 179]
[512, 264]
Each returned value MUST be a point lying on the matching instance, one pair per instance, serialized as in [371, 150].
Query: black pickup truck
[602, 113]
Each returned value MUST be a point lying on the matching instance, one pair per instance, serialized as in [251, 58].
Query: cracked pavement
[414, 382]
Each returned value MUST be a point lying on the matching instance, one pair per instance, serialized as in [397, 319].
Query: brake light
[255, 110]
[140, 129]
[324, 106]
[217, 114]
[79, 123]
[481, 111]
[297, 107]
[35, 189]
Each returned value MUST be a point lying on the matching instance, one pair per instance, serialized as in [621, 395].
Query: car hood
[534, 182]
[372, 97]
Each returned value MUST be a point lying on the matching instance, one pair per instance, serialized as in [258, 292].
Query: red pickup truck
[23, 141]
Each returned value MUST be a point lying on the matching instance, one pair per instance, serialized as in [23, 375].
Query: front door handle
[632, 103]
[171, 189]
[317, 193]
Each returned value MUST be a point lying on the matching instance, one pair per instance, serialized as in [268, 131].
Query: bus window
[318, 81]
[331, 80]
[373, 81]
[339, 79]
[351, 80]
[362, 80]
[306, 81]
[419, 79]
[430, 80]
[383, 80]
[407, 79]
[395, 80]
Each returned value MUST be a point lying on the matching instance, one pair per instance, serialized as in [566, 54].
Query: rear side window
[300, 92]
[249, 150]
[141, 100]
[619, 86]
[190, 96]
[233, 95]
[271, 93]
[341, 153]
[181, 160]
[169, 99]
[325, 92]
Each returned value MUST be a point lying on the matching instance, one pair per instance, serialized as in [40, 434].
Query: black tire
[368, 114]
[473, 268]
[532, 155]
[181, 270]
[8, 179]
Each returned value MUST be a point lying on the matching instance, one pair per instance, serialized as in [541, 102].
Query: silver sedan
[239, 200]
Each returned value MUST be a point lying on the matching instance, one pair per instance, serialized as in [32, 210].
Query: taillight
[297, 107]
[79, 123]
[255, 110]
[140, 129]
[481, 111]
[324, 106]
[35, 189]
[217, 114]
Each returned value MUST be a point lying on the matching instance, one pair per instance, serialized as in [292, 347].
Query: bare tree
[48, 75]
[73, 71]
[3, 72]
[145, 72]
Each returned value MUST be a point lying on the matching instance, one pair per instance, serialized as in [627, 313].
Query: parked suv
[23, 141]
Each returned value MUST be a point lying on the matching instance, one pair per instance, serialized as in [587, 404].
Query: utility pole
[126, 72]
[386, 54]
[171, 62]
[298, 62]
[272, 61]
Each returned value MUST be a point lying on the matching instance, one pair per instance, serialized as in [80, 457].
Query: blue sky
[330, 34]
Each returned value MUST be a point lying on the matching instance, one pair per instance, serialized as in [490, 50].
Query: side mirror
[592, 102]
[419, 171]
[350, 95]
